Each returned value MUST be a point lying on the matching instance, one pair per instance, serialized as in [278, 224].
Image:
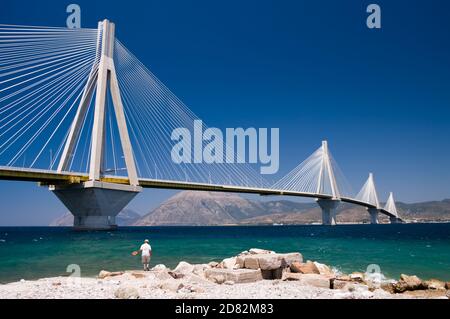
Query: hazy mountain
[206, 208]
[426, 211]
[202, 208]
[125, 218]
[209, 208]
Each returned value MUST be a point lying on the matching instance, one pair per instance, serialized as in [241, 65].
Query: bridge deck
[48, 177]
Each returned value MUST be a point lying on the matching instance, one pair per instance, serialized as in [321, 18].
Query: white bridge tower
[96, 203]
[327, 181]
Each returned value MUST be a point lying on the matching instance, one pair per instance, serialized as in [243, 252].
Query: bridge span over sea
[80, 114]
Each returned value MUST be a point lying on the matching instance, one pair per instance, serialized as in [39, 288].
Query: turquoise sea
[36, 252]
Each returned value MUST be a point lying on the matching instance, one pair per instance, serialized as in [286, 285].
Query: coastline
[253, 274]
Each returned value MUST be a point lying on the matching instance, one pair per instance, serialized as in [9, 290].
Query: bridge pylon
[392, 208]
[96, 203]
[368, 194]
[326, 184]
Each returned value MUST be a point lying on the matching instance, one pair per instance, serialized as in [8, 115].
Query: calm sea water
[421, 249]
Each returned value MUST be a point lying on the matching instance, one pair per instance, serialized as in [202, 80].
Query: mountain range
[189, 208]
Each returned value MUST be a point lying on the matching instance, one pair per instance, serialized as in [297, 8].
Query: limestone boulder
[240, 261]
[388, 287]
[251, 262]
[126, 292]
[162, 275]
[159, 267]
[196, 280]
[314, 280]
[408, 283]
[434, 284]
[199, 269]
[237, 275]
[172, 285]
[184, 268]
[304, 268]
[103, 274]
[268, 261]
[229, 263]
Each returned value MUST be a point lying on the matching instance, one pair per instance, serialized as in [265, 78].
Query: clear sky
[312, 68]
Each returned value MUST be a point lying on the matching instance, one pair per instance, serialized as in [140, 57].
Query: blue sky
[311, 68]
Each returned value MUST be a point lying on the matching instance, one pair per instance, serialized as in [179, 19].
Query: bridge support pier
[95, 204]
[394, 220]
[373, 215]
[328, 210]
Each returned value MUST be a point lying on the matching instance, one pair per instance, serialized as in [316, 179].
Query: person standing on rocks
[146, 253]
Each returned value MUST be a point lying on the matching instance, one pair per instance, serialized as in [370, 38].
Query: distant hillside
[191, 208]
[125, 218]
[206, 208]
[437, 211]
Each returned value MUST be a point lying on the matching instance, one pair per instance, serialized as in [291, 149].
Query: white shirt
[146, 248]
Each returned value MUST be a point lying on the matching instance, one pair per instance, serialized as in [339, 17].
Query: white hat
[146, 241]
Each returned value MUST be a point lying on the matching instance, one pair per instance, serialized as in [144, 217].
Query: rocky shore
[253, 274]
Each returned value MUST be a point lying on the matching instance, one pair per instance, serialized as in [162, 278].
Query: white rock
[237, 276]
[269, 261]
[199, 270]
[196, 280]
[160, 267]
[229, 263]
[162, 275]
[315, 280]
[171, 285]
[126, 292]
[184, 268]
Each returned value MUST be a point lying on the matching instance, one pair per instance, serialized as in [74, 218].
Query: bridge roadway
[49, 177]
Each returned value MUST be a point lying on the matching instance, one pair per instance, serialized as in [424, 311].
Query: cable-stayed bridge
[81, 114]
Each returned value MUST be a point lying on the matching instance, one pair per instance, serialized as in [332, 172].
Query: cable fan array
[152, 113]
[315, 176]
[43, 71]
